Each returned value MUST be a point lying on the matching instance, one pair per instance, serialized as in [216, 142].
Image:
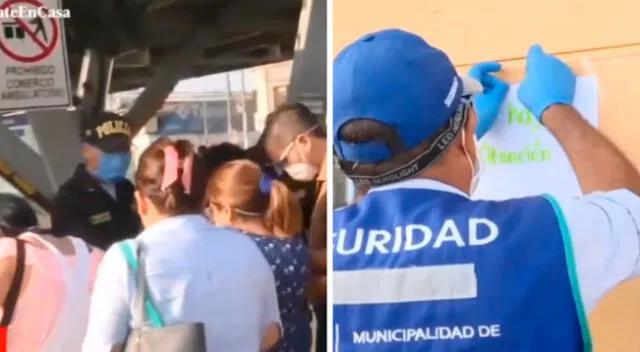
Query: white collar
[420, 183]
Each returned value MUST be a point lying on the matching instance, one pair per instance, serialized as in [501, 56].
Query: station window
[279, 95]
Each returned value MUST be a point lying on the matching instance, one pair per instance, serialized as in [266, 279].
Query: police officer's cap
[107, 131]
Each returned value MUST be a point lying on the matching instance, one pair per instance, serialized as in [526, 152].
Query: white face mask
[476, 165]
[302, 172]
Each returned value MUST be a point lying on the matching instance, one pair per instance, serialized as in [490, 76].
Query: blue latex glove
[548, 81]
[487, 104]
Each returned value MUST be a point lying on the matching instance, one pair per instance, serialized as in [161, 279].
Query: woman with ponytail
[195, 272]
[241, 196]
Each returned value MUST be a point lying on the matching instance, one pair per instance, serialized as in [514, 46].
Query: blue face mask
[113, 166]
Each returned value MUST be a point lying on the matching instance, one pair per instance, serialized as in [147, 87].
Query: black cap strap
[441, 143]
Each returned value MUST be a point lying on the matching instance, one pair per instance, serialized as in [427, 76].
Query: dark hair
[294, 118]
[238, 185]
[258, 155]
[150, 174]
[368, 130]
[219, 154]
[16, 215]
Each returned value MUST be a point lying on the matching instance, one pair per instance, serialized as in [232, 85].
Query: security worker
[97, 203]
[418, 265]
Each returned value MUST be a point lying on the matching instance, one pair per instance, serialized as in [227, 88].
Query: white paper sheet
[521, 158]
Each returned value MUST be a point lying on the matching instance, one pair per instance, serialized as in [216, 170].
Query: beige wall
[267, 80]
[595, 37]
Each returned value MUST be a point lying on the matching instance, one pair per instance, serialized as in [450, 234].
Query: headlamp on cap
[441, 142]
[399, 80]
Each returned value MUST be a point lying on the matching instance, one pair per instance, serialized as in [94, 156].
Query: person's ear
[228, 214]
[208, 211]
[85, 151]
[141, 202]
[212, 212]
[466, 136]
[221, 215]
[472, 122]
[91, 156]
[305, 145]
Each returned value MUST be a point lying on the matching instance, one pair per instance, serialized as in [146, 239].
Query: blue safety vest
[426, 270]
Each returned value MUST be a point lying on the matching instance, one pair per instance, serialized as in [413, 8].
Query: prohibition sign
[46, 48]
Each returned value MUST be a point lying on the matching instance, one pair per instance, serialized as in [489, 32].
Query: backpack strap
[11, 300]
[132, 260]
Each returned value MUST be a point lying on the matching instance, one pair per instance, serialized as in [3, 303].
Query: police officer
[418, 265]
[97, 203]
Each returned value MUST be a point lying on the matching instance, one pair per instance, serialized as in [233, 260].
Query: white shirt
[196, 273]
[605, 233]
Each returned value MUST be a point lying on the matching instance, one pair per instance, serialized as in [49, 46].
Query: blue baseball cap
[398, 79]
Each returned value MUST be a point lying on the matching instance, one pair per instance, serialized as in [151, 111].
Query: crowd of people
[223, 245]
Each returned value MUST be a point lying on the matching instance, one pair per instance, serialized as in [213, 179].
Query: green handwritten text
[523, 117]
[531, 153]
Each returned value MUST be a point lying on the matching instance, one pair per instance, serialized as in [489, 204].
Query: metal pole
[229, 97]
[84, 73]
[206, 123]
[109, 64]
[245, 128]
[95, 73]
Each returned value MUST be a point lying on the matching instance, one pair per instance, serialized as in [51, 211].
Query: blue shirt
[196, 273]
[605, 218]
